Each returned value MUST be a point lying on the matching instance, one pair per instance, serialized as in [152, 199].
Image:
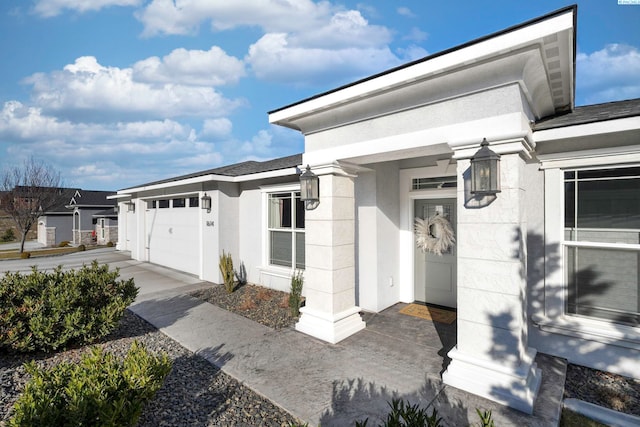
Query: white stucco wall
[377, 237]
[250, 231]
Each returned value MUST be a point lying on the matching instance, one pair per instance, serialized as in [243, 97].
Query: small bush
[8, 236]
[64, 244]
[25, 255]
[241, 274]
[82, 248]
[404, 414]
[226, 269]
[100, 390]
[109, 244]
[48, 311]
[295, 296]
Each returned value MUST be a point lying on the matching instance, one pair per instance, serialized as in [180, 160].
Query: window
[194, 202]
[151, 204]
[427, 183]
[163, 204]
[179, 203]
[602, 243]
[286, 229]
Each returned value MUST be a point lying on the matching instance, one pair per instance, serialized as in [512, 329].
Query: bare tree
[31, 189]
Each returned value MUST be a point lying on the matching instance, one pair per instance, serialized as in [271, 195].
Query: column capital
[339, 168]
[521, 146]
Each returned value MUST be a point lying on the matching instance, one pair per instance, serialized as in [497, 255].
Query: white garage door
[173, 234]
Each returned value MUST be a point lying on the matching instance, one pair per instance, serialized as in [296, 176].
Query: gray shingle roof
[238, 169]
[591, 114]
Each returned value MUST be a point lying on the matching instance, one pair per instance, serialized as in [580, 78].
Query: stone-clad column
[492, 358]
[330, 312]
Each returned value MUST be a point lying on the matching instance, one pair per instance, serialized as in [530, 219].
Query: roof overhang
[539, 55]
[211, 178]
[622, 132]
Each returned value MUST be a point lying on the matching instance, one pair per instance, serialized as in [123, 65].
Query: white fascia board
[216, 178]
[588, 129]
[498, 45]
[118, 196]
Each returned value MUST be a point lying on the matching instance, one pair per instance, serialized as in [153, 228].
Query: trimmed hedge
[49, 311]
[100, 390]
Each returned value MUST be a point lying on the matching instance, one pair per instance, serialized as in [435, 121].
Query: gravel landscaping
[266, 306]
[603, 388]
[194, 393]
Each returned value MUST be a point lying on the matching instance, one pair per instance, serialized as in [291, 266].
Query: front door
[435, 275]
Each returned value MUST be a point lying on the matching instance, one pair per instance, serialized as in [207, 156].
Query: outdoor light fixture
[485, 171]
[206, 202]
[309, 189]
[131, 207]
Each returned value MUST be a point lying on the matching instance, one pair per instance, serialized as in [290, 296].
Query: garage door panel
[173, 238]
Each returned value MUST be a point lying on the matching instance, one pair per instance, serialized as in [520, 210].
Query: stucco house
[545, 258]
[82, 217]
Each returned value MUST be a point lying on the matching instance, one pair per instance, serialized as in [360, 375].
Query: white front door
[435, 275]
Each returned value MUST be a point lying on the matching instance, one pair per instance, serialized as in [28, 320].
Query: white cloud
[412, 53]
[405, 11]
[344, 29]
[90, 91]
[273, 59]
[110, 155]
[185, 17]
[216, 128]
[49, 8]
[190, 67]
[609, 74]
[416, 35]
[259, 145]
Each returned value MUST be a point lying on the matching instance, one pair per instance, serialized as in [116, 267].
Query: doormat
[430, 313]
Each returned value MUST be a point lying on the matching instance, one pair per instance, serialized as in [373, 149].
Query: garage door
[173, 234]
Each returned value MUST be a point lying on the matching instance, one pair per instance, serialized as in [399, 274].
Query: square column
[330, 313]
[492, 358]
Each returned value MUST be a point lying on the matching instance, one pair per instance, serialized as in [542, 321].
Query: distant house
[547, 239]
[82, 217]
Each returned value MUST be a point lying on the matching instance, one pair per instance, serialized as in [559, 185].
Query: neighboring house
[549, 263]
[82, 217]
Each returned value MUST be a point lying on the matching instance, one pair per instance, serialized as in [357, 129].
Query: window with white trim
[602, 243]
[285, 229]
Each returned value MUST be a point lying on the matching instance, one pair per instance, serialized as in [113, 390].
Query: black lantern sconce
[485, 171]
[309, 189]
[206, 202]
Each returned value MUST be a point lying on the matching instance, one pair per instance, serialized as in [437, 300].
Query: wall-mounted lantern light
[131, 207]
[485, 171]
[309, 189]
[205, 202]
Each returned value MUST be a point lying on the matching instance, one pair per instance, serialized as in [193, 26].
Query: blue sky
[116, 93]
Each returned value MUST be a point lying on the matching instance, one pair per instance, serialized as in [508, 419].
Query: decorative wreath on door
[434, 235]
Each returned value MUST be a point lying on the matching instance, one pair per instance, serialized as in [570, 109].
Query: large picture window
[286, 229]
[602, 243]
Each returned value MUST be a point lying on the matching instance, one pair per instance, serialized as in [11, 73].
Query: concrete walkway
[320, 383]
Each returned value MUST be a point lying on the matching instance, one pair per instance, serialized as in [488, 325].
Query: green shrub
[82, 248]
[295, 296]
[100, 390]
[25, 255]
[64, 244]
[8, 236]
[226, 269]
[48, 311]
[109, 244]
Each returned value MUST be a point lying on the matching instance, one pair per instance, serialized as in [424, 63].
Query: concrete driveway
[151, 279]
